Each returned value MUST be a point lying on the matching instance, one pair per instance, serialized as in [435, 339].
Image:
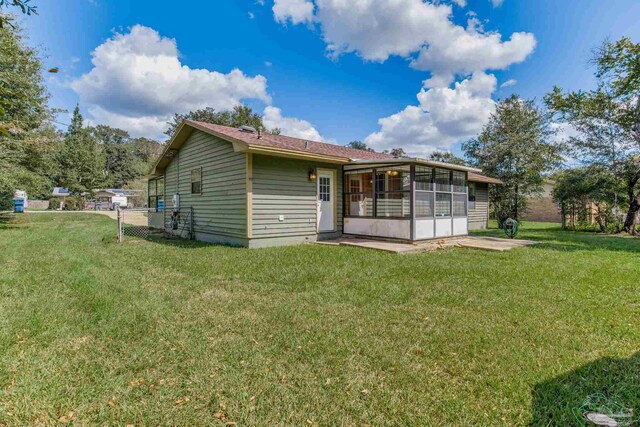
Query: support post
[119, 215]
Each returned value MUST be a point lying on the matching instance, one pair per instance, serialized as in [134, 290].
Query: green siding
[221, 209]
[479, 217]
[281, 187]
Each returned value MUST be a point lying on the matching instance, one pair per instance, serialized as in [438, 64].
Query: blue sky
[311, 67]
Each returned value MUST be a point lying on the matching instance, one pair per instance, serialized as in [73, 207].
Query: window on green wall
[196, 181]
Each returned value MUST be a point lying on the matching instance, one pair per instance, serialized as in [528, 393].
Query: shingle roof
[477, 177]
[290, 143]
[298, 146]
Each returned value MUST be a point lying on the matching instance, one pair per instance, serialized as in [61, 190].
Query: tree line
[520, 145]
[36, 156]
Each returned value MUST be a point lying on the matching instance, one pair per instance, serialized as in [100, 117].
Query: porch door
[326, 202]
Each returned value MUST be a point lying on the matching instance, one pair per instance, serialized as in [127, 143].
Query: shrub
[54, 203]
[73, 204]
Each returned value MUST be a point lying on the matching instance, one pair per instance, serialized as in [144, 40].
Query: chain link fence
[152, 223]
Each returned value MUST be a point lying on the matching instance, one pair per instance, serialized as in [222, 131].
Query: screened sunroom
[408, 199]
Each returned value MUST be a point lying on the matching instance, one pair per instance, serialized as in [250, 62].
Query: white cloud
[420, 31]
[251, 15]
[268, 63]
[462, 51]
[497, 3]
[509, 83]
[296, 11]
[290, 126]
[138, 82]
[425, 34]
[443, 117]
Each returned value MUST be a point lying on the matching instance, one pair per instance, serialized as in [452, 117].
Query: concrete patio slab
[495, 244]
[471, 242]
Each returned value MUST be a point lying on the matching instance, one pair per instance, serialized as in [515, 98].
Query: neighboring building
[62, 194]
[252, 189]
[542, 208]
[110, 198]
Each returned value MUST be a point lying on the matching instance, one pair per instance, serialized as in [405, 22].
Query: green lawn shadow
[604, 385]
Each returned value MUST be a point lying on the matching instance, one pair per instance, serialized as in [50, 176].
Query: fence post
[119, 214]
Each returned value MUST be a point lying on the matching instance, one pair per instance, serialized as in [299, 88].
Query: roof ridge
[275, 138]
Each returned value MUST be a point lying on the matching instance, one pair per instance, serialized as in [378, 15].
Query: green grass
[182, 333]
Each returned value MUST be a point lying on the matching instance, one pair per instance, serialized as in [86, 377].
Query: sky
[421, 75]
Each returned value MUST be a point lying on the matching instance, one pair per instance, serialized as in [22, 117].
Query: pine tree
[81, 158]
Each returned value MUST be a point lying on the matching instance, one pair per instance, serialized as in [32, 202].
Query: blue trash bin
[18, 205]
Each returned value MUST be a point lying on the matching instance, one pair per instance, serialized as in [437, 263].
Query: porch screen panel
[443, 180]
[424, 204]
[472, 195]
[424, 195]
[443, 204]
[358, 193]
[459, 182]
[459, 205]
[393, 192]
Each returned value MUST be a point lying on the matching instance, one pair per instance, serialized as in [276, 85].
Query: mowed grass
[183, 333]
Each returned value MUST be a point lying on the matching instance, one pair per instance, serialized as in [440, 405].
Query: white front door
[326, 203]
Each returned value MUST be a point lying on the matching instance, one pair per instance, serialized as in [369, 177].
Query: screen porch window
[459, 182]
[393, 192]
[359, 194]
[424, 195]
[443, 180]
[196, 181]
[443, 204]
[472, 195]
[156, 192]
[459, 205]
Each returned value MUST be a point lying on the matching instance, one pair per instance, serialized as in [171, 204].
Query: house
[111, 197]
[542, 207]
[253, 189]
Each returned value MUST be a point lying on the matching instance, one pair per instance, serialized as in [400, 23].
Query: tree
[359, 145]
[608, 119]
[581, 190]
[126, 159]
[119, 157]
[396, 152]
[26, 160]
[23, 96]
[515, 147]
[446, 157]
[81, 158]
[240, 116]
[23, 5]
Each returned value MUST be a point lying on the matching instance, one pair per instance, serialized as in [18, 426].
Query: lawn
[182, 333]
